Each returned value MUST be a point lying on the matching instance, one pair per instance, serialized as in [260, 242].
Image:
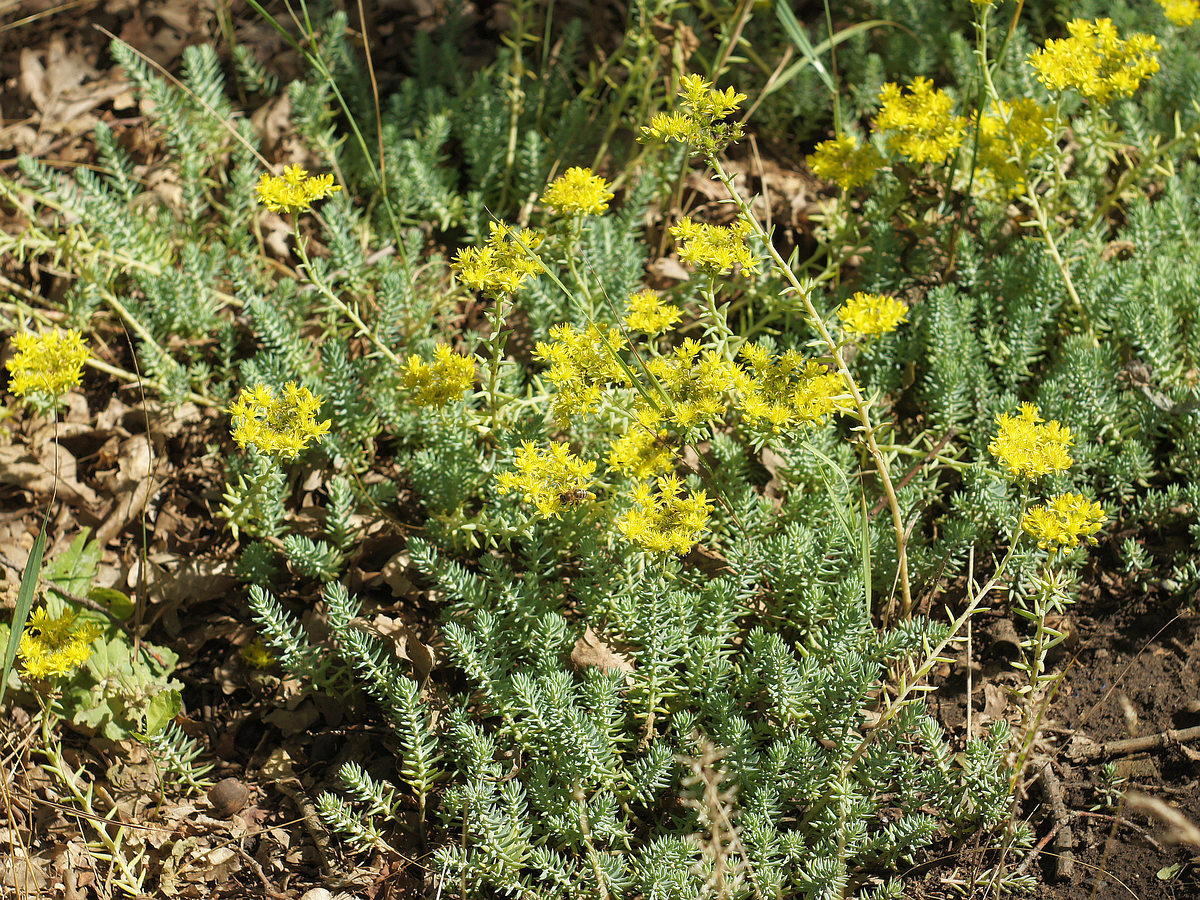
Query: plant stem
[866, 428]
[342, 306]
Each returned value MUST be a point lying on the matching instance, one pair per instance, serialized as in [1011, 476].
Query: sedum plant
[683, 532]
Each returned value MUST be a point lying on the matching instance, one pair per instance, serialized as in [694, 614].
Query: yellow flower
[582, 365]
[646, 312]
[642, 451]
[1095, 62]
[504, 264]
[844, 161]
[921, 125]
[695, 383]
[578, 193]
[786, 390]
[47, 365]
[669, 521]
[700, 120]
[294, 191]
[279, 426]
[1180, 12]
[1063, 521]
[1011, 135]
[872, 314]
[51, 647]
[439, 383]
[257, 655]
[715, 249]
[1029, 447]
[550, 479]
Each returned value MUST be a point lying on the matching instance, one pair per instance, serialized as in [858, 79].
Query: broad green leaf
[164, 707]
[116, 602]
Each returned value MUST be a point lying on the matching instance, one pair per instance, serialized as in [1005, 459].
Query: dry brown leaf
[591, 650]
[405, 644]
[23, 469]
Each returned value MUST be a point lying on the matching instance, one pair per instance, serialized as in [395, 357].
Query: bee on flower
[55, 646]
[552, 480]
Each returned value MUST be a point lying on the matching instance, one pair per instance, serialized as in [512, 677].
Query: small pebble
[316, 894]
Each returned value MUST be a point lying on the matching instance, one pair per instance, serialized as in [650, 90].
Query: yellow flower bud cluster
[552, 479]
[582, 366]
[871, 314]
[844, 161]
[503, 264]
[786, 390]
[699, 120]
[696, 383]
[715, 249]
[647, 313]
[1062, 521]
[642, 451]
[1095, 61]
[920, 124]
[577, 193]
[280, 426]
[440, 382]
[669, 520]
[55, 646]
[47, 365]
[1011, 135]
[1029, 447]
[1180, 12]
[295, 191]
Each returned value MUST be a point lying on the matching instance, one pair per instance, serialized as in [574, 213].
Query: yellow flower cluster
[920, 123]
[1062, 521]
[1010, 136]
[695, 381]
[55, 646]
[47, 365]
[550, 479]
[257, 656]
[669, 521]
[871, 314]
[843, 160]
[503, 264]
[294, 191]
[278, 426]
[439, 382]
[646, 312]
[786, 390]
[582, 365]
[1029, 447]
[1095, 61]
[578, 193]
[699, 122]
[1180, 12]
[715, 249]
[642, 451]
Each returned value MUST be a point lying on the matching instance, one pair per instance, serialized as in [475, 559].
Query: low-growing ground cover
[689, 450]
